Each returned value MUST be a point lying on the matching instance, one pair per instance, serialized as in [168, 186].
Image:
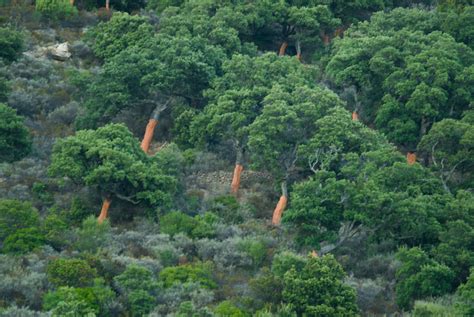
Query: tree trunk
[104, 210]
[107, 5]
[280, 207]
[411, 158]
[234, 187]
[314, 254]
[283, 47]
[71, 2]
[298, 50]
[150, 129]
[355, 116]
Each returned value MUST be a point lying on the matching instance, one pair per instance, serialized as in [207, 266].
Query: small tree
[56, 9]
[15, 141]
[71, 272]
[11, 44]
[318, 289]
[16, 215]
[111, 160]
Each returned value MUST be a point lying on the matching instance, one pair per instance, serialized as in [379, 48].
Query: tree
[236, 100]
[406, 79]
[465, 293]
[11, 44]
[318, 289]
[449, 148]
[15, 140]
[56, 9]
[287, 121]
[121, 31]
[111, 160]
[71, 272]
[199, 273]
[23, 241]
[16, 215]
[419, 277]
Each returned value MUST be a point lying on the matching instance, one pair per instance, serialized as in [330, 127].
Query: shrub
[15, 215]
[176, 222]
[70, 272]
[255, 249]
[427, 309]
[135, 278]
[205, 226]
[56, 9]
[23, 241]
[92, 235]
[70, 301]
[54, 230]
[15, 141]
[11, 44]
[141, 302]
[199, 273]
[284, 261]
[464, 305]
[228, 309]
[227, 208]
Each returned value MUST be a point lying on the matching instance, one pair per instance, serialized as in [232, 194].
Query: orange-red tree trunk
[149, 131]
[104, 210]
[411, 158]
[280, 207]
[283, 47]
[355, 116]
[234, 187]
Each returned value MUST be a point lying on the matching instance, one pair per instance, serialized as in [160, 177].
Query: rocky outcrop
[60, 52]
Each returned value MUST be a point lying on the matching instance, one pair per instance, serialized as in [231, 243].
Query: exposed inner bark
[314, 254]
[298, 50]
[411, 158]
[234, 187]
[280, 207]
[107, 5]
[150, 128]
[355, 116]
[283, 47]
[104, 210]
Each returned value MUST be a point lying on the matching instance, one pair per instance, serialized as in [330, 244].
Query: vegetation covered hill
[236, 158]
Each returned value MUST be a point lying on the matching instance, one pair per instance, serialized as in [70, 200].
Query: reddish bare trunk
[104, 210]
[326, 39]
[411, 158]
[107, 5]
[314, 254]
[355, 116]
[279, 209]
[283, 47]
[150, 129]
[298, 50]
[234, 188]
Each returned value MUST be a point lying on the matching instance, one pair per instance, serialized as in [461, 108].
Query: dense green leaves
[111, 160]
[15, 140]
[11, 44]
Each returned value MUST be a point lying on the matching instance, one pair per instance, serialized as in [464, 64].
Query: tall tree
[236, 99]
[287, 121]
[111, 160]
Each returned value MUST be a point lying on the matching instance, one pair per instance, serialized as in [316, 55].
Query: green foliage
[16, 215]
[135, 278]
[227, 208]
[121, 31]
[11, 45]
[228, 309]
[23, 241]
[141, 302]
[267, 287]
[15, 141]
[70, 301]
[199, 273]
[92, 235]
[427, 309]
[405, 79]
[318, 289]
[111, 160]
[176, 222]
[419, 277]
[256, 250]
[71, 272]
[56, 9]
[465, 295]
[284, 261]
[54, 229]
